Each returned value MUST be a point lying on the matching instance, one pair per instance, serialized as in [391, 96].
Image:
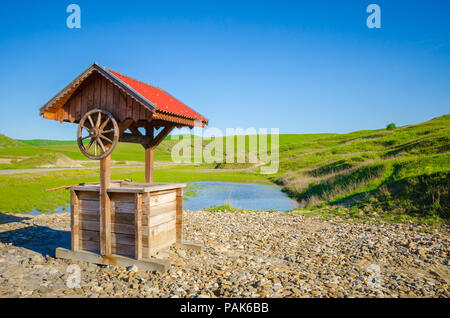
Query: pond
[201, 195]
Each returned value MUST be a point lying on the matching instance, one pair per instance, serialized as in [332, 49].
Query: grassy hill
[6, 142]
[400, 170]
[388, 172]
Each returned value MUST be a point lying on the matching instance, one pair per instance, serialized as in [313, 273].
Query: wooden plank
[157, 199]
[109, 97]
[159, 239]
[179, 218]
[90, 205]
[90, 246]
[89, 225]
[147, 210]
[116, 102]
[116, 238]
[84, 256]
[122, 197]
[129, 114]
[136, 110]
[105, 206]
[97, 91]
[84, 195]
[158, 229]
[165, 208]
[134, 139]
[87, 235]
[122, 218]
[75, 220]
[122, 106]
[124, 207]
[90, 95]
[161, 218]
[104, 93]
[138, 227]
[115, 227]
[84, 99]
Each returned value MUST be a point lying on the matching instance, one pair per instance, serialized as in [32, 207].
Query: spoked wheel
[98, 134]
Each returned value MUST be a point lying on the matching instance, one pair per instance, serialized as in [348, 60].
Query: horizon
[320, 133]
[302, 67]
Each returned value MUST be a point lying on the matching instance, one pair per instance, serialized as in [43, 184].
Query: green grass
[337, 169]
[23, 192]
[357, 169]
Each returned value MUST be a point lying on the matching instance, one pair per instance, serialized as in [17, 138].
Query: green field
[388, 172]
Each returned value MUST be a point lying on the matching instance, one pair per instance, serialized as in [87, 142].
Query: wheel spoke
[95, 147]
[90, 144]
[99, 119]
[85, 137]
[108, 131]
[91, 121]
[101, 145]
[104, 124]
[106, 138]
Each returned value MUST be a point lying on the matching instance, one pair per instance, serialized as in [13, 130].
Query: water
[239, 195]
[60, 209]
[202, 195]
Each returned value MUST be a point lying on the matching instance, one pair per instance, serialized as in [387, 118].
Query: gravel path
[246, 255]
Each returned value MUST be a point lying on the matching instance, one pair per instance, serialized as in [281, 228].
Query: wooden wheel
[98, 134]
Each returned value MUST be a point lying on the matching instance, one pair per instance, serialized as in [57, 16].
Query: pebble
[245, 255]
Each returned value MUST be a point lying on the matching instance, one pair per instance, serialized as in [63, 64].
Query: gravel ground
[246, 255]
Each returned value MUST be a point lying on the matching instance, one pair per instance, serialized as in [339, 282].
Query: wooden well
[145, 218]
[122, 223]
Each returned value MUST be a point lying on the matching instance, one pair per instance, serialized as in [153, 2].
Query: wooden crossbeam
[134, 138]
[162, 134]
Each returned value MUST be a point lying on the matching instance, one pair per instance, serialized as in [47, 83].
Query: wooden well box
[144, 218]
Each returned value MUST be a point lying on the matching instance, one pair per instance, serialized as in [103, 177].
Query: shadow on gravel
[40, 239]
[8, 218]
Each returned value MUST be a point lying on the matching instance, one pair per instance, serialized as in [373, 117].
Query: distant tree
[391, 126]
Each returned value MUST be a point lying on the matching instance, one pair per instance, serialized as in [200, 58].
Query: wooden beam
[105, 206]
[75, 220]
[151, 264]
[179, 216]
[124, 125]
[149, 214]
[149, 131]
[138, 226]
[136, 139]
[163, 134]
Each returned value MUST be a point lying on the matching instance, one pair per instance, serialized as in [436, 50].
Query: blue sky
[301, 66]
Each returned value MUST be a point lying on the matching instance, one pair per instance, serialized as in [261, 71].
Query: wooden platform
[156, 264]
[152, 264]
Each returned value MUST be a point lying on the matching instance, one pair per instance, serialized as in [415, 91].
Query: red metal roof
[163, 101]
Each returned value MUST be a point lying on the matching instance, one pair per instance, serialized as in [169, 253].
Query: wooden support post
[75, 220]
[179, 216]
[138, 226]
[105, 206]
[149, 156]
[149, 165]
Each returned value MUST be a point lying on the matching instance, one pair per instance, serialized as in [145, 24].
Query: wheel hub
[94, 132]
